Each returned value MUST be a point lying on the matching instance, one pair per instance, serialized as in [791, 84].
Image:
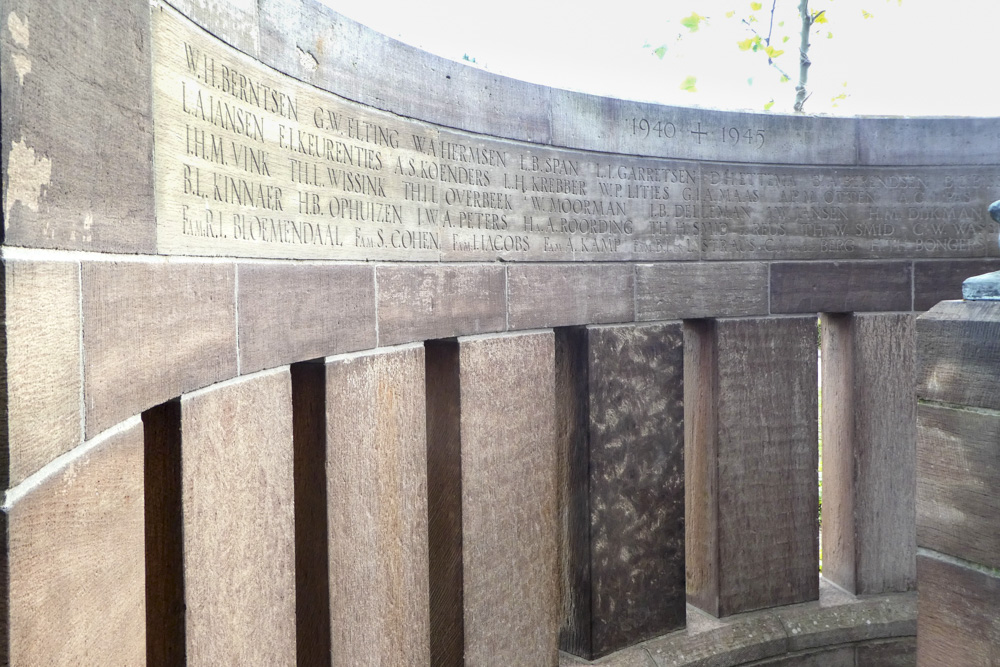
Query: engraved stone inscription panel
[253, 163]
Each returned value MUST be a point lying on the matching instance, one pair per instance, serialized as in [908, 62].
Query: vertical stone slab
[376, 467]
[753, 436]
[509, 499]
[74, 559]
[633, 535]
[958, 613]
[40, 347]
[444, 501]
[491, 443]
[238, 522]
[869, 447]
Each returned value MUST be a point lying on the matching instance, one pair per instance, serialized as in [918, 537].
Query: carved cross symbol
[699, 132]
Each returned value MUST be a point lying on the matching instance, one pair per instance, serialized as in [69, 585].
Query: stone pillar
[376, 488]
[750, 463]
[869, 441]
[232, 509]
[492, 500]
[73, 571]
[958, 481]
[621, 433]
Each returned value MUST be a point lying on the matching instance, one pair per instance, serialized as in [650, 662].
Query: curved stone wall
[195, 192]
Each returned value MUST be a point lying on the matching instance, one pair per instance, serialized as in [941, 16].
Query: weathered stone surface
[919, 141]
[74, 560]
[377, 495]
[889, 653]
[751, 459]
[633, 445]
[418, 303]
[508, 490]
[613, 125]
[958, 344]
[704, 289]
[41, 415]
[958, 478]
[941, 280]
[564, 295]
[238, 521]
[869, 440]
[312, 43]
[868, 618]
[77, 144]
[984, 287]
[958, 619]
[299, 312]
[840, 287]
[755, 637]
[837, 657]
[153, 331]
[234, 21]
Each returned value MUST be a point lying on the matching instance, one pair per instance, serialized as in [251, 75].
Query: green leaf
[866, 14]
[691, 22]
[781, 24]
[829, 35]
[688, 84]
[772, 52]
[745, 44]
[755, 6]
[730, 14]
[785, 39]
[784, 78]
[820, 17]
[767, 107]
[750, 81]
[660, 52]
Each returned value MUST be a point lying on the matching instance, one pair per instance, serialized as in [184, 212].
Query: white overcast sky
[917, 57]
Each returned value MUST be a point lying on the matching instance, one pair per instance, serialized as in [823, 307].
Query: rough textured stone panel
[935, 281]
[41, 416]
[958, 617]
[890, 653]
[77, 139]
[377, 495]
[928, 140]
[636, 483]
[558, 296]
[153, 331]
[706, 289]
[234, 21]
[300, 312]
[840, 287]
[425, 302]
[509, 499]
[74, 561]
[751, 420]
[958, 345]
[958, 483]
[239, 554]
[869, 425]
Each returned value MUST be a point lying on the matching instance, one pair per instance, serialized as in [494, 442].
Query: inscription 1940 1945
[250, 162]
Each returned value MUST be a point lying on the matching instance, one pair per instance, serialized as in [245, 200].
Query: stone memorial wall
[303, 326]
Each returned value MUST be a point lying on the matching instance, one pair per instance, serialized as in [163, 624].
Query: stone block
[74, 566]
[153, 331]
[310, 42]
[40, 416]
[417, 303]
[750, 463]
[889, 653]
[376, 465]
[958, 345]
[958, 615]
[299, 312]
[958, 474]
[495, 601]
[920, 141]
[704, 289]
[941, 280]
[840, 287]
[622, 438]
[238, 521]
[77, 138]
[235, 21]
[556, 296]
[869, 440]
